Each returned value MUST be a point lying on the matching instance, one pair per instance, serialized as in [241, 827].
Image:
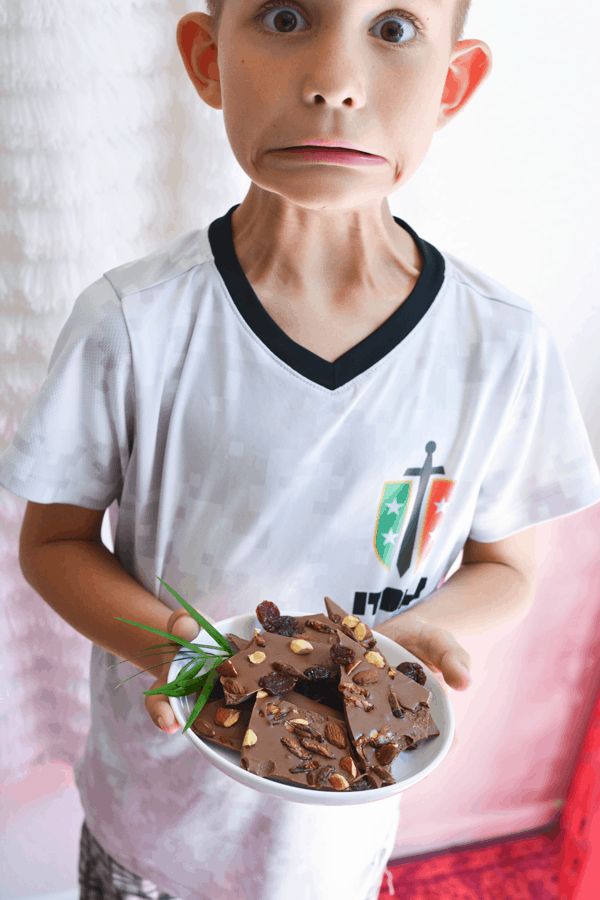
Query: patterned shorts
[102, 878]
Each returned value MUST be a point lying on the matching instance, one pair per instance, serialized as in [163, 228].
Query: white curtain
[96, 119]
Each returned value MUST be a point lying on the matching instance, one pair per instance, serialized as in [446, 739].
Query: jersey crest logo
[390, 519]
[392, 511]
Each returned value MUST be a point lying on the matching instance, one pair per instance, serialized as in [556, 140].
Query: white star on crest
[393, 507]
[390, 538]
[442, 506]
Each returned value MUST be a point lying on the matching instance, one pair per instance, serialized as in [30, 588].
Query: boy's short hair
[215, 11]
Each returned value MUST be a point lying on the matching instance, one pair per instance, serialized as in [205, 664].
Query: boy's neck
[328, 278]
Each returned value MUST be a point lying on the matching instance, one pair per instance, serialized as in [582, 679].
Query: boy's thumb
[182, 625]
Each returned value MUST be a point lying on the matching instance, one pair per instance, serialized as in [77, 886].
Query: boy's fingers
[159, 710]
[448, 655]
[182, 625]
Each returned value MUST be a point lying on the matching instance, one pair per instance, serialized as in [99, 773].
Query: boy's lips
[335, 151]
[333, 145]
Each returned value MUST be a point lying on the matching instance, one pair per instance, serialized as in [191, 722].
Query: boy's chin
[318, 191]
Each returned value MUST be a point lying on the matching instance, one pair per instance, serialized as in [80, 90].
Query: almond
[298, 721]
[339, 782]
[386, 754]
[334, 733]
[391, 673]
[259, 639]
[295, 748]
[360, 632]
[316, 747]
[257, 658]
[376, 659]
[231, 686]
[300, 647]
[226, 717]
[261, 694]
[203, 728]
[226, 669]
[351, 621]
[250, 738]
[349, 765]
[353, 666]
[367, 676]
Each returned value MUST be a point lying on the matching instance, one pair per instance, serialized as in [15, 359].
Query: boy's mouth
[332, 145]
[334, 154]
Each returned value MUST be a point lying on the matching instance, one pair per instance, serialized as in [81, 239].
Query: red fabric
[515, 870]
[579, 856]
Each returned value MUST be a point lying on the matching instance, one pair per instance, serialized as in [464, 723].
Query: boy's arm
[63, 558]
[494, 586]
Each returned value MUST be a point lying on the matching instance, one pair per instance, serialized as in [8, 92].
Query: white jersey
[247, 468]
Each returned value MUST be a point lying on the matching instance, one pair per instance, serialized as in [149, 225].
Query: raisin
[361, 784]
[284, 669]
[288, 626]
[342, 656]
[267, 614]
[317, 673]
[413, 670]
[276, 684]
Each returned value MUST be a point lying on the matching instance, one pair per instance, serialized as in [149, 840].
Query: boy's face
[355, 71]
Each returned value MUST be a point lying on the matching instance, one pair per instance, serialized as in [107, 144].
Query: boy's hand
[435, 647]
[181, 625]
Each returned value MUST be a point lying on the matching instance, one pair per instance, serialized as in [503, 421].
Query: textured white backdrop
[105, 153]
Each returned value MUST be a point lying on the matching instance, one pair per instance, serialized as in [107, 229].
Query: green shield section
[390, 518]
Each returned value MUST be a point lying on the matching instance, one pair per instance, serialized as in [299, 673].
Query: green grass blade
[204, 695]
[171, 637]
[210, 629]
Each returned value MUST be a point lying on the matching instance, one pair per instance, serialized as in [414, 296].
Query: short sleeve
[541, 466]
[74, 443]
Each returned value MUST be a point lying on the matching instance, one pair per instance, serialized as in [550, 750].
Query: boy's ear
[470, 65]
[198, 48]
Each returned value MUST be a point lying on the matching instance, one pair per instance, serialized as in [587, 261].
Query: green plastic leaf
[222, 641]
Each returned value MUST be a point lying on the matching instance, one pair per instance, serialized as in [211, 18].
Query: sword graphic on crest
[408, 542]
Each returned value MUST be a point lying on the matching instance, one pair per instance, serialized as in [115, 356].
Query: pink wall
[521, 724]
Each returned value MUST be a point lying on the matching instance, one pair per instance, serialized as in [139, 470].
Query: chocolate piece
[237, 643]
[391, 710]
[278, 648]
[206, 727]
[337, 616]
[293, 738]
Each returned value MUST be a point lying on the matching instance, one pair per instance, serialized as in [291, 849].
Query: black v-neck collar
[360, 357]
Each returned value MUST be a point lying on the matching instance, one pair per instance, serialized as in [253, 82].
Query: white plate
[407, 768]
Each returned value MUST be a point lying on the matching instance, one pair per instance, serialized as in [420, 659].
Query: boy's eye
[283, 18]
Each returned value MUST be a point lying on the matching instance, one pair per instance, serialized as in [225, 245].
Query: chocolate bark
[385, 710]
[351, 625]
[210, 723]
[270, 654]
[237, 643]
[207, 723]
[291, 743]
[333, 661]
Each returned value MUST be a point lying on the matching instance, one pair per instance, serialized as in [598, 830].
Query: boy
[304, 398]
